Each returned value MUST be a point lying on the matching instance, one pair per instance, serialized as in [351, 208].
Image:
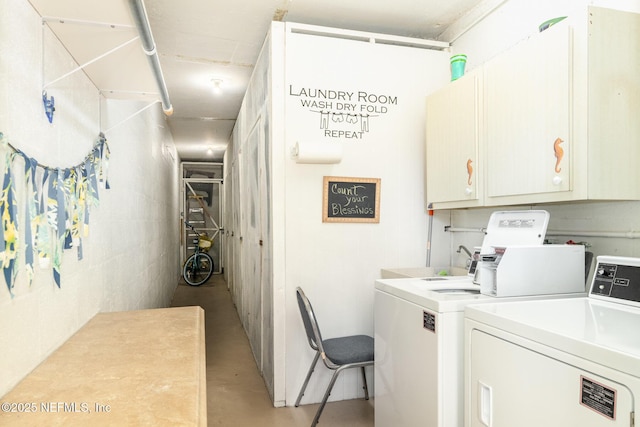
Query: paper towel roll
[317, 152]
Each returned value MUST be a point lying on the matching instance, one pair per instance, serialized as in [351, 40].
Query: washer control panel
[617, 278]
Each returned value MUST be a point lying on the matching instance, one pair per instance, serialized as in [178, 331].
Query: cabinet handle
[559, 153]
[469, 171]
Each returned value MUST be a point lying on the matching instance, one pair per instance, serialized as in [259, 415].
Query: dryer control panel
[617, 278]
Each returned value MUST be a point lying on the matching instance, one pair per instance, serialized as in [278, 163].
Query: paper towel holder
[308, 152]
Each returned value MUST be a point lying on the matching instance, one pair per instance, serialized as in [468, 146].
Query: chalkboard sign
[351, 199]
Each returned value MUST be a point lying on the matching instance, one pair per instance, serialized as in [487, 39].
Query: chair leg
[306, 380]
[366, 388]
[334, 377]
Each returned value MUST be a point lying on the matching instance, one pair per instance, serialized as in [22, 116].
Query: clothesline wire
[87, 157]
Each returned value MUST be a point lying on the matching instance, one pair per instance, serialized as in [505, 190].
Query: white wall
[131, 255]
[337, 263]
[514, 21]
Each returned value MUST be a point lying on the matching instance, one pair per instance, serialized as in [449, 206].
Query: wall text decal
[344, 114]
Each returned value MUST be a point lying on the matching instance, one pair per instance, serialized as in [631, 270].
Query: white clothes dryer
[558, 363]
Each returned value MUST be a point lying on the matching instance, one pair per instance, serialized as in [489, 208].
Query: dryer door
[528, 385]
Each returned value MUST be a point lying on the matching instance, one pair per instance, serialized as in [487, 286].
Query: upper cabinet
[452, 126]
[558, 118]
[527, 118]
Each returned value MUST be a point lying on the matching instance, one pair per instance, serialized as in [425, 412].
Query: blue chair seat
[345, 350]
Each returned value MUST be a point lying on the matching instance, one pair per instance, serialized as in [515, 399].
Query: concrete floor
[236, 393]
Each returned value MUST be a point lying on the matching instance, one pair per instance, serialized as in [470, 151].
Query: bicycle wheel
[197, 269]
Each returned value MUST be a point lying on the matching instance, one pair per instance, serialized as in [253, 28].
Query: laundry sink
[431, 273]
[441, 278]
[457, 291]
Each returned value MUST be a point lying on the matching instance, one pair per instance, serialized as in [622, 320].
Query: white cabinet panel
[614, 104]
[452, 128]
[527, 115]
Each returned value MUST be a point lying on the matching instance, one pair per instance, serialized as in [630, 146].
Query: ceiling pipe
[149, 47]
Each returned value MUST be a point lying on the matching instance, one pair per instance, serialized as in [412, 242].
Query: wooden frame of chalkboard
[348, 199]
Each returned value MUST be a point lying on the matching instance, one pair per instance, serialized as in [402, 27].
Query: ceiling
[203, 40]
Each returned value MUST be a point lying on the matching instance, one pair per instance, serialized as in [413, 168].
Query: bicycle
[198, 267]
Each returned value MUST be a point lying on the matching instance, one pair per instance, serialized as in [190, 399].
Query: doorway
[202, 199]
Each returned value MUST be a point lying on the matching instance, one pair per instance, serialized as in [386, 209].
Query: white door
[510, 385]
[452, 126]
[251, 239]
[527, 117]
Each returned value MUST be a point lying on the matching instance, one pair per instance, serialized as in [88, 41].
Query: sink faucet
[463, 248]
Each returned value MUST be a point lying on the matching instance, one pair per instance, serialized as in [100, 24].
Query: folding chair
[338, 354]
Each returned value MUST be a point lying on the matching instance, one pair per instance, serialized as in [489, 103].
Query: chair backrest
[309, 320]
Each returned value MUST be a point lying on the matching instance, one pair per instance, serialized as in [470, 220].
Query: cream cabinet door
[453, 143]
[527, 118]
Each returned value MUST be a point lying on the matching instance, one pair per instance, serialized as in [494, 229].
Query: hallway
[236, 393]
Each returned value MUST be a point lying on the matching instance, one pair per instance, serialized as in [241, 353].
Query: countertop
[133, 368]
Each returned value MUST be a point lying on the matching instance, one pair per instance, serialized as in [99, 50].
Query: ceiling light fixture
[217, 85]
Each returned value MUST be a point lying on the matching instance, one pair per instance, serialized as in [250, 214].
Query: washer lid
[520, 228]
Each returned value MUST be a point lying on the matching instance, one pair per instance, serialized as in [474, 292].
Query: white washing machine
[419, 349]
[558, 363]
[419, 332]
